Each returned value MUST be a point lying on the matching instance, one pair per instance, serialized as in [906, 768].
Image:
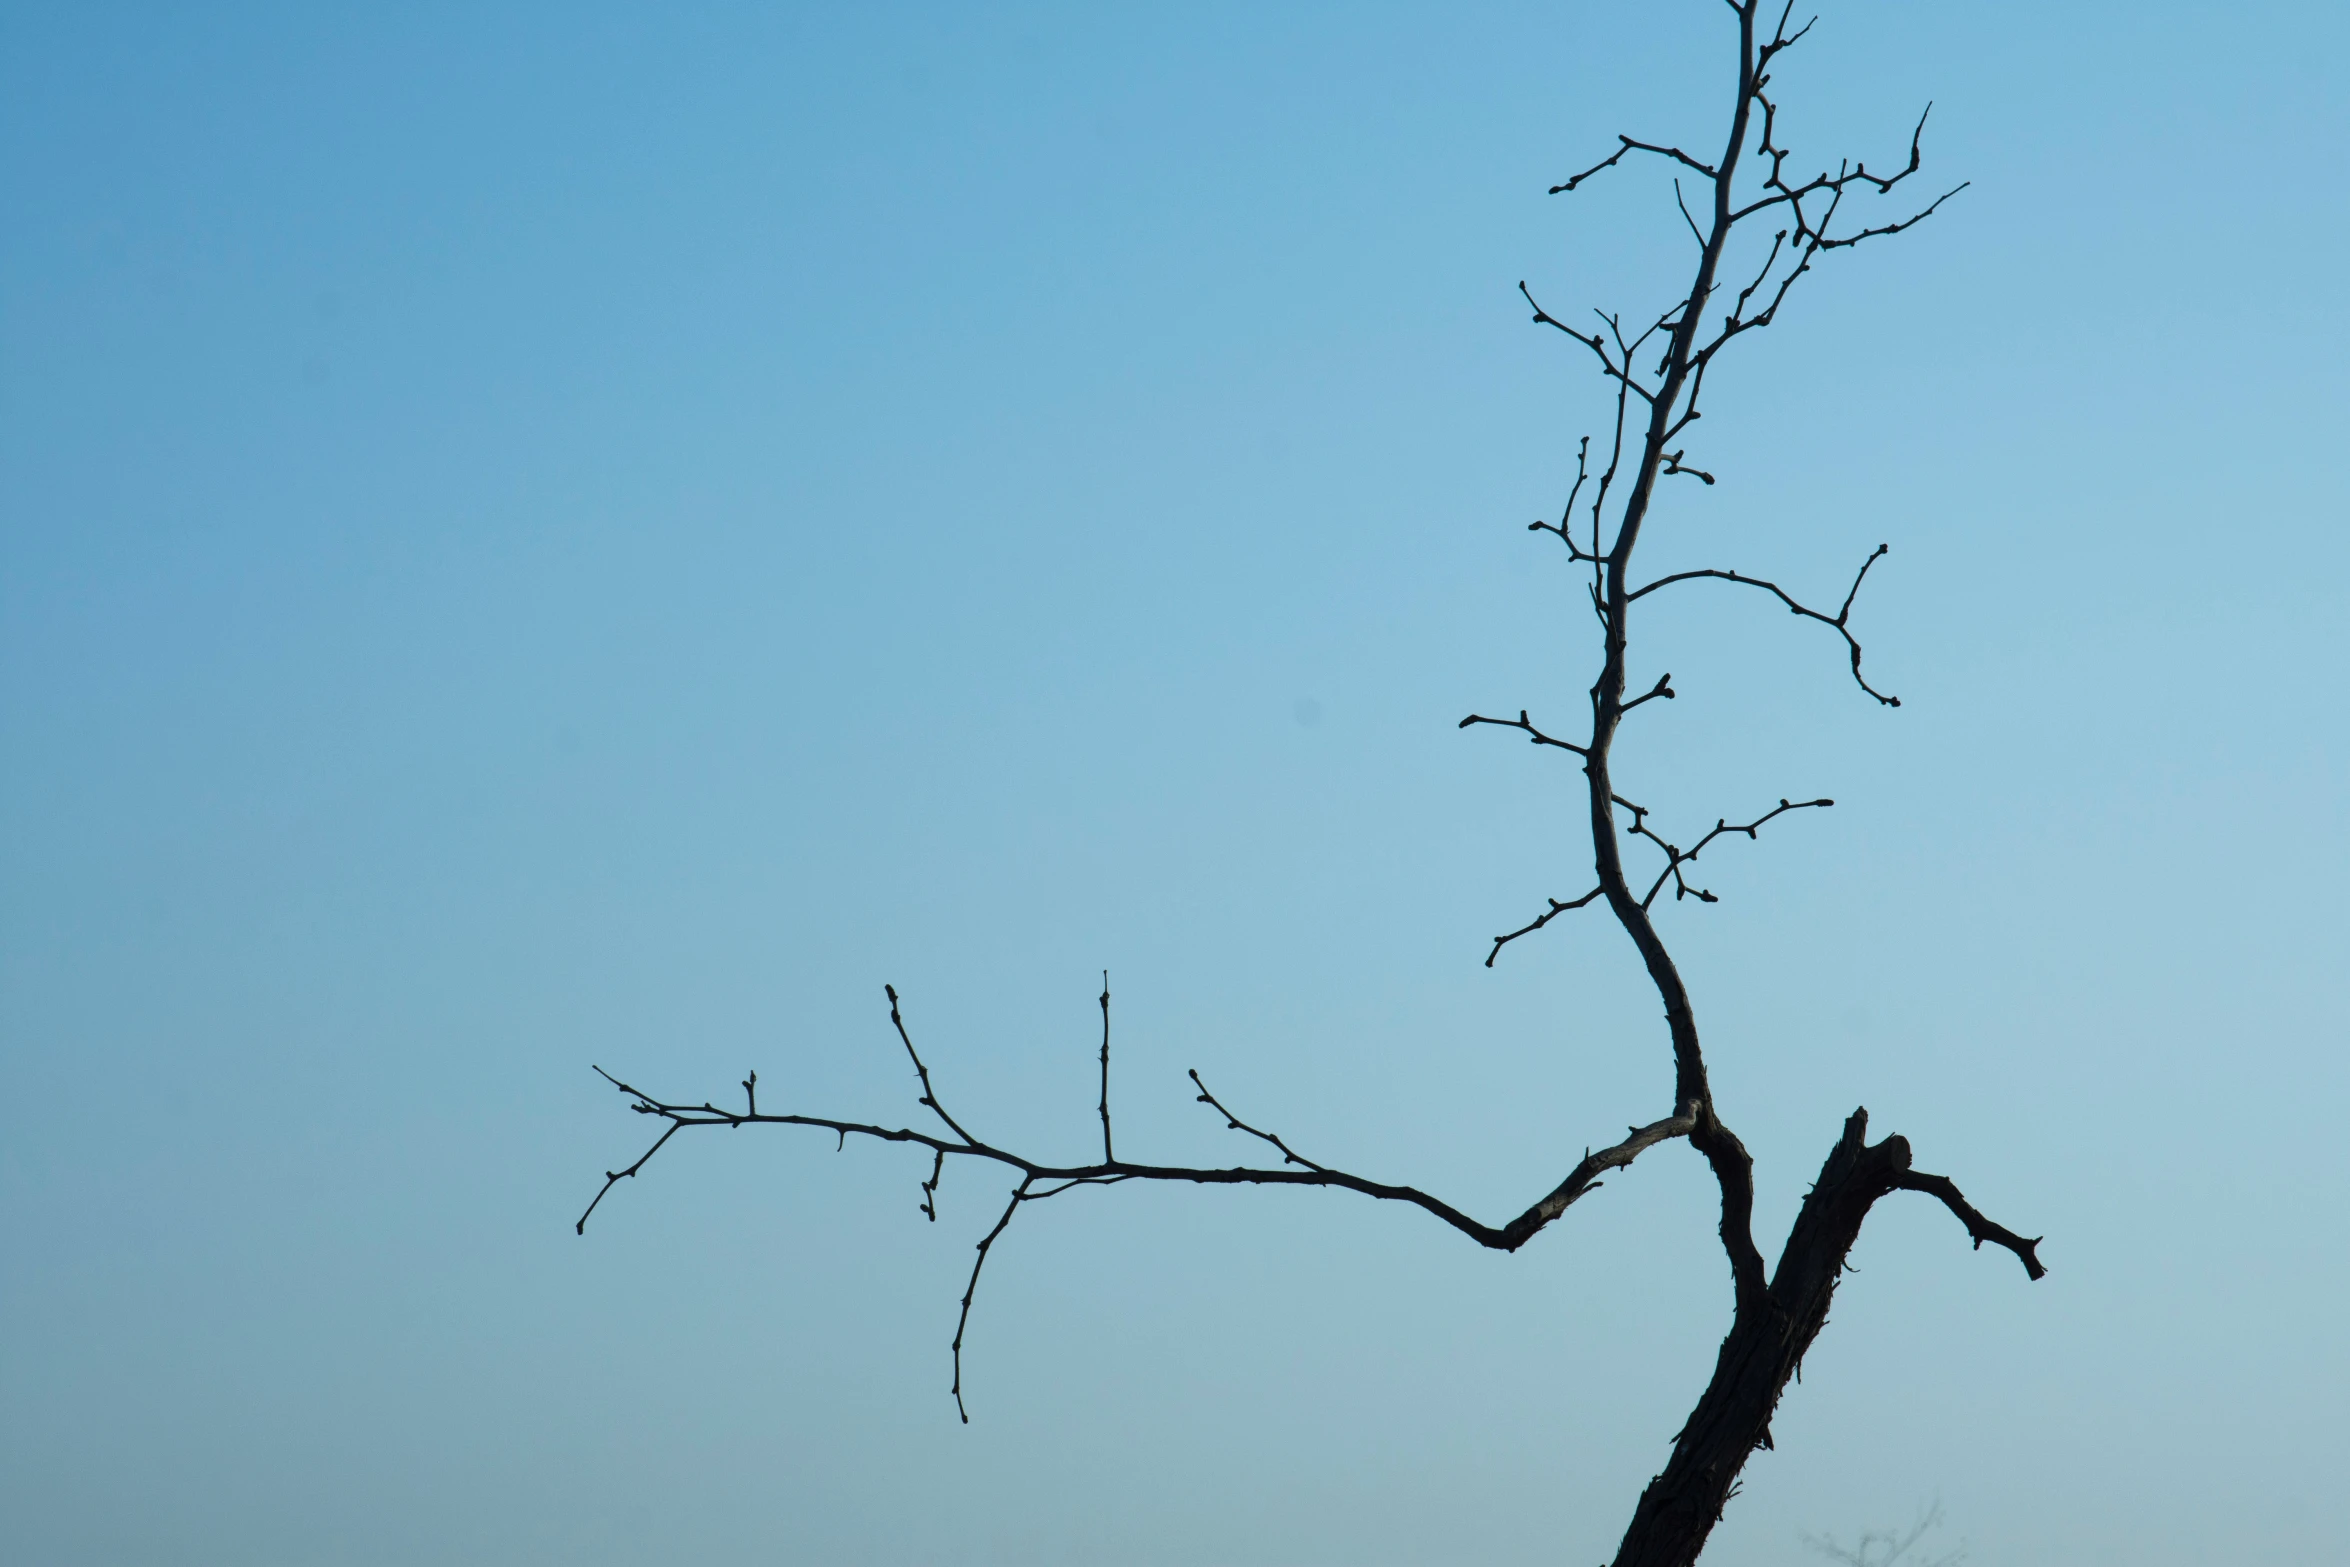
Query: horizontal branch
[1629, 145]
[1838, 621]
[1503, 1237]
[1039, 1179]
[1534, 735]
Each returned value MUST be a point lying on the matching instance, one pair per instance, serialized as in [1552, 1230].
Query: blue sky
[547, 536]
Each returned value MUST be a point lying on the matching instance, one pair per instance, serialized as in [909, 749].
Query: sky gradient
[541, 536]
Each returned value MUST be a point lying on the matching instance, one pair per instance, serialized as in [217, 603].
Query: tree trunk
[1768, 1337]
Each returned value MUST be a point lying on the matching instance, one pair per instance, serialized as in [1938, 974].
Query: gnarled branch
[1944, 1188]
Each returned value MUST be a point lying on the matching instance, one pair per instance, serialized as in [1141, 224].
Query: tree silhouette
[1656, 370]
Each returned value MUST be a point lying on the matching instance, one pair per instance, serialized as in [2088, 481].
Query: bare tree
[1656, 371]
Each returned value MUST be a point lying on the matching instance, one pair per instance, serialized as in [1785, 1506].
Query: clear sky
[542, 535]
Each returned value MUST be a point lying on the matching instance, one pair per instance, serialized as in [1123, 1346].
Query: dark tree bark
[1768, 1338]
[1656, 374]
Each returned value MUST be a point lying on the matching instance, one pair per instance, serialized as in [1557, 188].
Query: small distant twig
[1888, 1547]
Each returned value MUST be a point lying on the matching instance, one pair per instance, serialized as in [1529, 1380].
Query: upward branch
[1806, 219]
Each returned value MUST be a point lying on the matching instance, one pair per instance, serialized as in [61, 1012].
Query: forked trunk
[1768, 1338]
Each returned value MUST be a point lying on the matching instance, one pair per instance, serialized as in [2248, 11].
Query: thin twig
[1108, 1157]
[1534, 736]
[963, 1321]
[929, 1097]
[1556, 909]
[1839, 621]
